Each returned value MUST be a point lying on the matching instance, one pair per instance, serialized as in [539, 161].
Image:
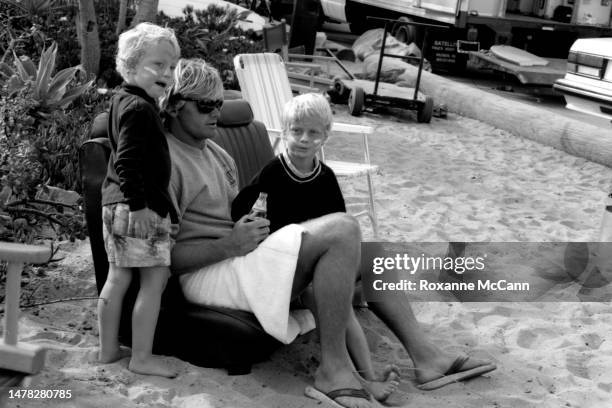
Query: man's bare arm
[244, 238]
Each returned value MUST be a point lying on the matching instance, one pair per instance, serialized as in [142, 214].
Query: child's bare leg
[144, 320]
[109, 312]
[357, 344]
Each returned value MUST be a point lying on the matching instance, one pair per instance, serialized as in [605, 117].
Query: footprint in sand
[496, 311]
[592, 340]
[528, 338]
[576, 364]
[605, 387]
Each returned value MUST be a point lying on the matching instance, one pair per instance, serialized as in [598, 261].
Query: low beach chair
[18, 360]
[203, 335]
[264, 83]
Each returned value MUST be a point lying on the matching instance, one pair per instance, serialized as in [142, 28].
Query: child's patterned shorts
[129, 252]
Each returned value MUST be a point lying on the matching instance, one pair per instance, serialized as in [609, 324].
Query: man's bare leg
[329, 256]
[379, 386]
[429, 361]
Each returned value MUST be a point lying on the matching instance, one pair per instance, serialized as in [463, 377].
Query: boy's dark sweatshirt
[139, 168]
[291, 199]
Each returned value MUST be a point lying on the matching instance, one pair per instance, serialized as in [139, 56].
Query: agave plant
[34, 7]
[50, 92]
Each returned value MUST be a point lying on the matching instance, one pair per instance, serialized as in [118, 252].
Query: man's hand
[248, 233]
[141, 222]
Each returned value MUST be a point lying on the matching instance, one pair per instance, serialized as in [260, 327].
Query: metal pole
[380, 59]
[418, 81]
[337, 61]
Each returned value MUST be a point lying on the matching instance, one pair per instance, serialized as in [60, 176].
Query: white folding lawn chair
[18, 360]
[264, 83]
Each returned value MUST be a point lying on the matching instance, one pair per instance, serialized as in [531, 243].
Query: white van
[587, 85]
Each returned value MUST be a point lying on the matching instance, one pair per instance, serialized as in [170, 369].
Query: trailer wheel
[356, 101]
[340, 88]
[424, 114]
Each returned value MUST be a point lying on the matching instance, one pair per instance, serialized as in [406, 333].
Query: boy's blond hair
[307, 106]
[133, 43]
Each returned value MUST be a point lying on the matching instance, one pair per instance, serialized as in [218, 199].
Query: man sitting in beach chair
[242, 266]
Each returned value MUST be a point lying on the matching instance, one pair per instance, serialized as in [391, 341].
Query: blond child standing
[300, 187]
[137, 211]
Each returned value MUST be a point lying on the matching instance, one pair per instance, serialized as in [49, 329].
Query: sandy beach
[454, 180]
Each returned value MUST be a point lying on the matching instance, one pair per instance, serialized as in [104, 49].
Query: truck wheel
[356, 101]
[424, 114]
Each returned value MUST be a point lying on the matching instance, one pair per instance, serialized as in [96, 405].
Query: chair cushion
[230, 94]
[248, 144]
[235, 112]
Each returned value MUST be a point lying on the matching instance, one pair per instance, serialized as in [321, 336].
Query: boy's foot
[115, 354]
[383, 388]
[154, 365]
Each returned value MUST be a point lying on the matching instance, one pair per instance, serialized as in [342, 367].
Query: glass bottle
[260, 208]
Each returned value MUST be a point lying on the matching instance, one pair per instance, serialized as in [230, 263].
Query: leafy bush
[39, 140]
[212, 34]
[41, 130]
[32, 33]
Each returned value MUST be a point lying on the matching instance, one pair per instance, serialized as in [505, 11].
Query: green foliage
[31, 33]
[49, 92]
[40, 133]
[212, 34]
[45, 115]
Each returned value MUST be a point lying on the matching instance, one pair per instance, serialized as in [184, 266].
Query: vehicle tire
[340, 88]
[356, 101]
[424, 114]
[404, 33]
[339, 93]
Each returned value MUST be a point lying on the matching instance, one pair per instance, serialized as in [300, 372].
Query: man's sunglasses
[205, 105]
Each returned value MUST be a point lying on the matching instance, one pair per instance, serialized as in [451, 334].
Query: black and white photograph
[306, 203]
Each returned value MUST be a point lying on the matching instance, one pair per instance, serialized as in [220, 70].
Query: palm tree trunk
[87, 31]
[123, 5]
[146, 10]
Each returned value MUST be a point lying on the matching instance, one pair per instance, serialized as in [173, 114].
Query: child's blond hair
[307, 106]
[133, 43]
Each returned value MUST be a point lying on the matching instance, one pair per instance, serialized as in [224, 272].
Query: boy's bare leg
[109, 312]
[144, 320]
[329, 256]
[380, 388]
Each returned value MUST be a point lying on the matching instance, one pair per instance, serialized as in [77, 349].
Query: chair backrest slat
[265, 85]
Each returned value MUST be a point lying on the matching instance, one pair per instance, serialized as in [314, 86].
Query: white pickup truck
[544, 27]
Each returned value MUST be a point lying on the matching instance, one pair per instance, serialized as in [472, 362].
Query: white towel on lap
[259, 282]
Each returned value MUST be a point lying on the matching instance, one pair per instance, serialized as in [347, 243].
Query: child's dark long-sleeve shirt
[291, 198]
[139, 167]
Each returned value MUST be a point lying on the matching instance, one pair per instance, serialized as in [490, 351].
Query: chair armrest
[14, 252]
[345, 127]
[364, 131]
[275, 135]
